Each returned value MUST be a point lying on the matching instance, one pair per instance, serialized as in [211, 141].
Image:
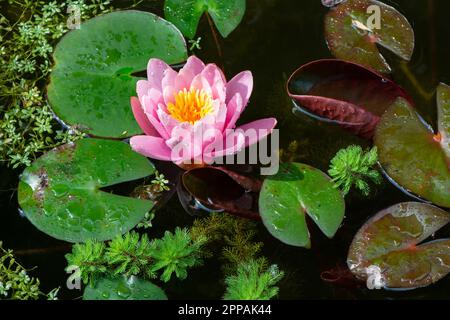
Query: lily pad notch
[60, 193]
[354, 28]
[297, 191]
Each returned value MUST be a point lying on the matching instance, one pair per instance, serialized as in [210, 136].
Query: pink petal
[217, 81]
[167, 121]
[151, 147]
[242, 84]
[220, 115]
[231, 144]
[183, 143]
[183, 81]
[194, 65]
[169, 94]
[200, 83]
[142, 88]
[155, 72]
[155, 95]
[142, 119]
[150, 110]
[169, 78]
[234, 110]
[262, 129]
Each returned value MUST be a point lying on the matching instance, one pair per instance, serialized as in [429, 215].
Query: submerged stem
[216, 39]
[412, 78]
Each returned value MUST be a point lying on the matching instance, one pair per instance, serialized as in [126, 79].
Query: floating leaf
[223, 190]
[343, 93]
[296, 191]
[92, 80]
[388, 243]
[411, 154]
[354, 28]
[226, 14]
[122, 288]
[331, 3]
[60, 193]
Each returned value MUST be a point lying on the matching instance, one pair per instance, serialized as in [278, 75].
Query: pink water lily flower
[191, 114]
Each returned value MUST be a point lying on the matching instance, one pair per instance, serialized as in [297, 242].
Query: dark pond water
[275, 37]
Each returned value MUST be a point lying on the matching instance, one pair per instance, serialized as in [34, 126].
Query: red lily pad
[222, 190]
[353, 32]
[411, 154]
[388, 242]
[344, 93]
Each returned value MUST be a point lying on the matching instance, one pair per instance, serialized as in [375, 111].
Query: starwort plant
[15, 283]
[353, 167]
[27, 126]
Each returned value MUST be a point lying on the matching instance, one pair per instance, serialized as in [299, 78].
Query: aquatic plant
[409, 147]
[319, 89]
[62, 194]
[388, 251]
[15, 282]
[188, 115]
[233, 235]
[76, 89]
[353, 29]
[226, 14]
[253, 281]
[296, 192]
[123, 288]
[27, 126]
[136, 255]
[352, 167]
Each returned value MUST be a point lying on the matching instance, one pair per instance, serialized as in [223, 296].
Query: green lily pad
[226, 14]
[92, 80]
[388, 243]
[296, 191]
[60, 193]
[352, 33]
[123, 288]
[412, 155]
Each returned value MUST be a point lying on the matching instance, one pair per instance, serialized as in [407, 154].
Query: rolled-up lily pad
[222, 190]
[344, 93]
[60, 193]
[296, 191]
[122, 288]
[92, 80]
[386, 247]
[226, 14]
[355, 27]
[411, 154]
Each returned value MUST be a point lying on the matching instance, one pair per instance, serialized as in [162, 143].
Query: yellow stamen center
[190, 106]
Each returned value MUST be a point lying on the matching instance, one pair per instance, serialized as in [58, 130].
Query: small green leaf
[226, 14]
[122, 288]
[355, 27]
[92, 80]
[296, 191]
[388, 243]
[60, 193]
